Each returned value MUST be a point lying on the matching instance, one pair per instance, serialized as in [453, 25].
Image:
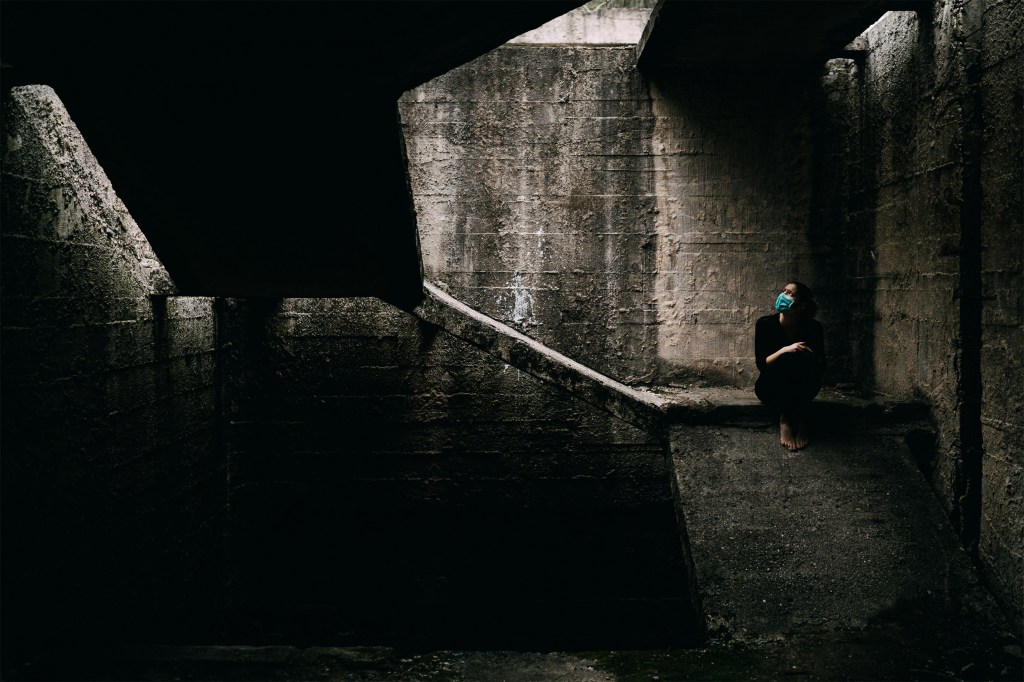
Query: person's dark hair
[806, 296]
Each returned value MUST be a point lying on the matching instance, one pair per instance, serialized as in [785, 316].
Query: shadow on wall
[384, 482]
[843, 218]
[733, 165]
[391, 483]
[113, 476]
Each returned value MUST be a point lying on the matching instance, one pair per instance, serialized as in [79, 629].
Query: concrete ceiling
[257, 144]
[684, 32]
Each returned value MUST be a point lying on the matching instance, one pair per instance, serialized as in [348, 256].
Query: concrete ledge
[647, 408]
[740, 407]
[642, 408]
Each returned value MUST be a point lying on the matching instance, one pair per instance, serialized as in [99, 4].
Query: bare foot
[803, 436]
[786, 435]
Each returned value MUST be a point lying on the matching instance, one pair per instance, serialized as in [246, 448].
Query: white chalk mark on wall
[521, 301]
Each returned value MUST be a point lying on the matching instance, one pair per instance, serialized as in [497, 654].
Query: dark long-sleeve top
[769, 336]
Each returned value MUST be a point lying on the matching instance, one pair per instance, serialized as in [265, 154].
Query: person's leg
[789, 430]
[807, 383]
[771, 390]
[803, 429]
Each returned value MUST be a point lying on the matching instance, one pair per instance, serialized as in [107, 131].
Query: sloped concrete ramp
[842, 541]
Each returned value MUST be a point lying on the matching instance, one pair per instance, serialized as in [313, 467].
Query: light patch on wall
[520, 302]
[582, 26]
[64, 216]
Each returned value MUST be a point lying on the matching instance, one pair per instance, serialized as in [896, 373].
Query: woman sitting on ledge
[790, 354]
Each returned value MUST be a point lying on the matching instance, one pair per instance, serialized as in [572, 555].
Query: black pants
[790, 383]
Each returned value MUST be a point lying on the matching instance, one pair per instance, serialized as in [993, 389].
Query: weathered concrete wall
[531, 171]
[732, 175]
[891, 186]
[931, 175]
[899, 163]
[389, 481]
[1002, 306]
[841, 165]
[640, 228]
[914, 131]
[604, 26]
[113, 490]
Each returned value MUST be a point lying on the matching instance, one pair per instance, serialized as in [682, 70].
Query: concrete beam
[753, 32]
[649, 409]
[638, 407]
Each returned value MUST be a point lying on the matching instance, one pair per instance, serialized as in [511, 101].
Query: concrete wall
[640, 223]
[113, 487]
[387, 481]
[929, 130]
[732, 175]
[637, 226]
[902, 219]
[1002, 306]
[385, 475]
[603, 26]
[531, 171]
[391, 482]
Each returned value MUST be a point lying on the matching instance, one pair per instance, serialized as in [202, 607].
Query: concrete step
[740, 407]
[647, 407]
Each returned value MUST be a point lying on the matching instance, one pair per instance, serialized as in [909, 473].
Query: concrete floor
[837, 558]
[833, 563]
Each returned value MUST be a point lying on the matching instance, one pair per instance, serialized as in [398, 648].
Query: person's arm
[765, 352]
[765, 344]
[799, 346]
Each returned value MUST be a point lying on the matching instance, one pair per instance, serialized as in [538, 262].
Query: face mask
[783, 303]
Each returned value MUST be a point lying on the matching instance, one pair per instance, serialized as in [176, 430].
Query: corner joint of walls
[158, 281]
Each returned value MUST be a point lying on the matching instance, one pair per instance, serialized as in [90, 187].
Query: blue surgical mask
[783, 303]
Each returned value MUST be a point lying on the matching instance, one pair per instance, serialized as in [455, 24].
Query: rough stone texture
[842, 540]
[644, 409]
[83, 209]
[912, 212]
[604, 26]
[732, 168]
[1002, 315]
[889, 183]
[391, 481]
[531, 172]
[640, 228]
[927, 196]
[113, 490]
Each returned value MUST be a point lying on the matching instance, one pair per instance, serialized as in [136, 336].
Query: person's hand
[798, 347]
